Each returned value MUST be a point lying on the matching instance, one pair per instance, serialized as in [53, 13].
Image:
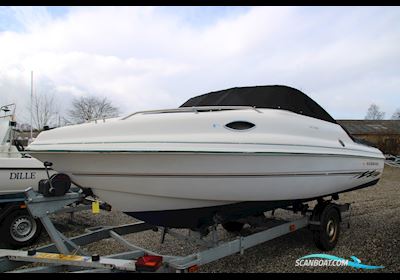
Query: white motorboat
[226, 154]
[18, 171]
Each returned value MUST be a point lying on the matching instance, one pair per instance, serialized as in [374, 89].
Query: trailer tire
[20, 229]
[233, 226]
[327, 234]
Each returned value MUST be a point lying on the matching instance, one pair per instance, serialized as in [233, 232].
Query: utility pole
[31, 101]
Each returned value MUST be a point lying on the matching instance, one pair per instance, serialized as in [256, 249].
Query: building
[383, 134]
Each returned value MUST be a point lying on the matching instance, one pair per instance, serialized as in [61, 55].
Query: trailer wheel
[20, 229]
[327, 234]
[233, 226]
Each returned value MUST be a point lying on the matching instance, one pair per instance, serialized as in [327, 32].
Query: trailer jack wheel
[327, 234]
[20, 229]
[233, 226]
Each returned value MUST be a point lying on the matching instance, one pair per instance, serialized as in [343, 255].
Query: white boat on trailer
[218, 158]
[18, 172]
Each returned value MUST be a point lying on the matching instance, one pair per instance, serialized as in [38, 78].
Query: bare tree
[396, 115]
[88, 108]
[373, 113]
[44, 110]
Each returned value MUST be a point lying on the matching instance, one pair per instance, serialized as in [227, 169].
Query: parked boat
[219, 157]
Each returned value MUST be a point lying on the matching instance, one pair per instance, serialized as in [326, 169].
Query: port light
[193, 268]
[148, 263]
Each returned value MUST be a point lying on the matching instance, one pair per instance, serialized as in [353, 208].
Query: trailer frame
[61, 255]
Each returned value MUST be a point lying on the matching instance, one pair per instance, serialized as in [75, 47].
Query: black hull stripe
[218, 175]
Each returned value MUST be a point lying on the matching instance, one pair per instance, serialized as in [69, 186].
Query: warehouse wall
[388, 144]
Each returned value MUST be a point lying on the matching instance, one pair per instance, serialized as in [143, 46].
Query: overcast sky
[345, 58]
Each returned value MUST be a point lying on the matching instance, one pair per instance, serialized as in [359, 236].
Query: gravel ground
[374, 236]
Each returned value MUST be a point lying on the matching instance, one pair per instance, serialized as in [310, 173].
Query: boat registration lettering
[23, 175]
[371, 163]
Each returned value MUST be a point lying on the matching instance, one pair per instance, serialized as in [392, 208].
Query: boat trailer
[67, 255]
[18, 229]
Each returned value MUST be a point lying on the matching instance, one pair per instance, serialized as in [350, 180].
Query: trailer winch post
[40, 207]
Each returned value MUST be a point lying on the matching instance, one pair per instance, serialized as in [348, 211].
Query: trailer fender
[8, 209]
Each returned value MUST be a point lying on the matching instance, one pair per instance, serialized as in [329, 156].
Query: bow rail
[195, 109]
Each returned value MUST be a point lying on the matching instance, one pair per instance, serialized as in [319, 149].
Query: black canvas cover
[274, 97]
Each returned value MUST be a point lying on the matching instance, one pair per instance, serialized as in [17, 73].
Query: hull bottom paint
[200, 218]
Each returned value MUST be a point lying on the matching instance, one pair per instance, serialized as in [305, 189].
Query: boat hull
[145, 183]
[18, 174]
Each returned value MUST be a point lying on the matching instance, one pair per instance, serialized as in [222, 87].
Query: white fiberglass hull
[134, 182]
[18, 174]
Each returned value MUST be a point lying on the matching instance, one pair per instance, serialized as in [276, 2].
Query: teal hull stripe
[171, 142]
